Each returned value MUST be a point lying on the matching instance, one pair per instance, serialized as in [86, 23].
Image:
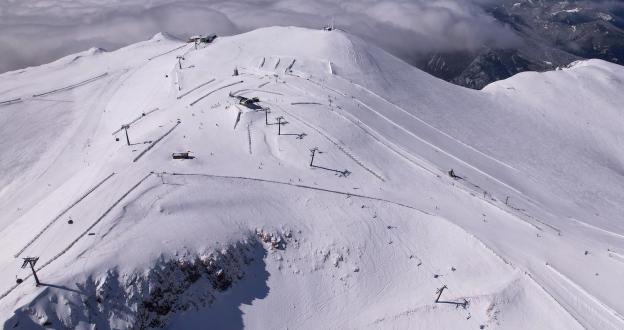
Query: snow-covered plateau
[355, 192]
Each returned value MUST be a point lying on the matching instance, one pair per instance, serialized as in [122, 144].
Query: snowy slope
[249, 234]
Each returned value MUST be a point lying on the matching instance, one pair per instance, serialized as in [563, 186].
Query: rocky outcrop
[149, 298]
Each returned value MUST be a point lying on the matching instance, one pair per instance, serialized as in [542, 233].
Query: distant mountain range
[554, 34]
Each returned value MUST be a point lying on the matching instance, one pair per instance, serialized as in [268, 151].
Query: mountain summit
[291, 178]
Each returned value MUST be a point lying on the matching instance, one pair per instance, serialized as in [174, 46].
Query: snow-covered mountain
[554, 33]
[390, 199]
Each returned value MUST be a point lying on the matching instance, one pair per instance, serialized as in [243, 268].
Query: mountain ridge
[415, 184]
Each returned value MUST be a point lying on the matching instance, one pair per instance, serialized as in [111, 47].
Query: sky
[34, 32]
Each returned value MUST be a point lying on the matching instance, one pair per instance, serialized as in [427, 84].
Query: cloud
[39, 31]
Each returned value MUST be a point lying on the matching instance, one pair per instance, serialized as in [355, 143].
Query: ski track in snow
[155, 142]
[195, 88]
[72, 86]
[81, 235]
[338, 145]
[589, 307]
[12, 101]
[142, 180]
[167, 52]
[348, 194]
[214, 91]
[241, 91]
[135, 120]
[85, 195]
[389, 129]
[434, 147]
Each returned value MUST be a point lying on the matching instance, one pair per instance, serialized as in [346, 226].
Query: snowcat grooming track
[70, 87]
[67, 209]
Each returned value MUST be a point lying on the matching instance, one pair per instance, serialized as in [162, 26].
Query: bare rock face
[148, 299]
[276, 240]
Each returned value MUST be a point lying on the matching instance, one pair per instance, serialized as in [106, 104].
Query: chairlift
[202, 39]
[452, 174]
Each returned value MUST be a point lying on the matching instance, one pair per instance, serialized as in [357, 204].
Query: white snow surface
[248, 234]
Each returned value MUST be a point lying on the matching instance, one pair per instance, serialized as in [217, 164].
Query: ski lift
[202, 39]
[31, 261]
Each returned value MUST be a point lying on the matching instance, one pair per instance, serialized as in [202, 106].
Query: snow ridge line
[218, 89]
[167, 52]
[70, 87]
[195, 88]
[156, 141]
[608, 232]
[9, 102]
[617, 256]
[63, 213]
[143, 115]
[298, 186]
[338, 145]
[611, 314]
[320, 85]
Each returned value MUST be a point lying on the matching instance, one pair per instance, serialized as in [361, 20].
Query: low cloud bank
[38, 31]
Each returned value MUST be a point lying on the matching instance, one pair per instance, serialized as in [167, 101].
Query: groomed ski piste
[425, 205]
